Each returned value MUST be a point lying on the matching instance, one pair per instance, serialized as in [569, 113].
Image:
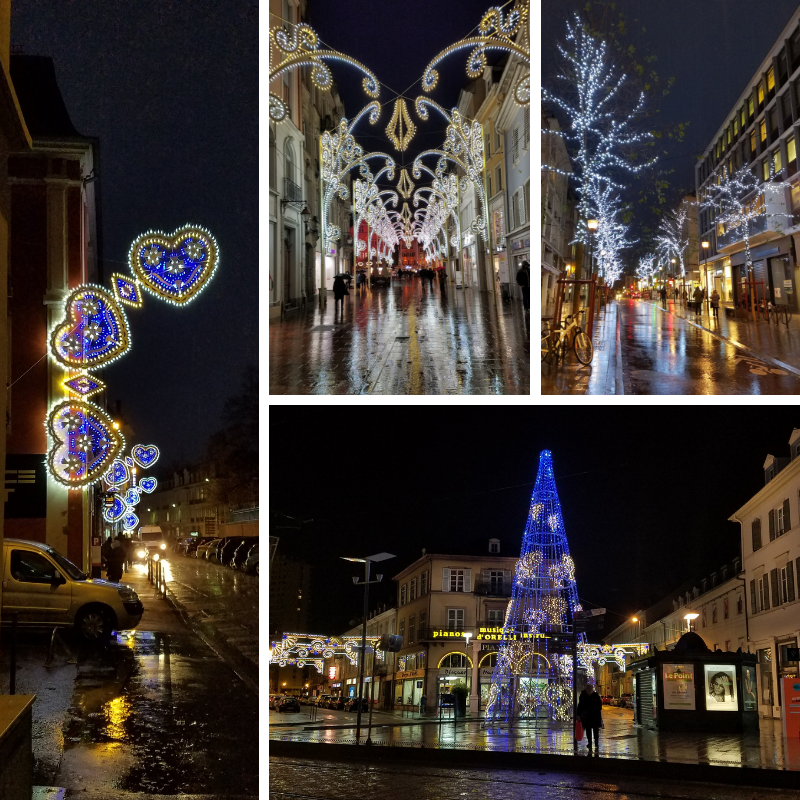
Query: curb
[223, 651]
[619, 386]
[754, 353]
[500, 759]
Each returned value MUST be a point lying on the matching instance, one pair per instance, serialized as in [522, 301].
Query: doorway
[288, 249]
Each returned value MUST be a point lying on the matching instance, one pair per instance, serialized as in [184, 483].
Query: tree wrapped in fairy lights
[531, 673]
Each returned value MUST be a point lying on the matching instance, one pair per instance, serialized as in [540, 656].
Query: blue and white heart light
[148, 484]
[145, 455]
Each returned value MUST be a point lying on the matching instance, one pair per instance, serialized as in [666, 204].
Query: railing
[493, 588]
[758, 225]
[243, 515]
[292, 192]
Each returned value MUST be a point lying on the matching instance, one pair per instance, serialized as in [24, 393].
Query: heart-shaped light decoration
[145, 455]
[148, 484]
[130, 521]
[95, 331]
[132, 496]
[117, 474]
[174, 267]
[116, 511]
[85, 442]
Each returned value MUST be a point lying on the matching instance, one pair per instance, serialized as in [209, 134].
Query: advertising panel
[749, 688]
[791, 709]
[721, 687]
[678, 686]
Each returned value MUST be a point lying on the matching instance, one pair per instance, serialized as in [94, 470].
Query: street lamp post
[705, 259]
[366, 582]
[690, 617]
[466, 663]
[673, 262]
[591, 224]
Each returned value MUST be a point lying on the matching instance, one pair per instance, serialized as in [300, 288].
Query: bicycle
[579, 342]
[781, 314]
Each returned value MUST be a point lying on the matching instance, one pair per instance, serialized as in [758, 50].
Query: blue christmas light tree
[534, 668]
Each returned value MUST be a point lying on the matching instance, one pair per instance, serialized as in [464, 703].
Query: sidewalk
[775, 344]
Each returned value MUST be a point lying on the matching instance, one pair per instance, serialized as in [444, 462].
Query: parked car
[251, 562]
[289, 703]
[274, 699]
[606, 700]
[203, 548]
[46, 590]
[212, 553]
[352, 704]
[337, 702]
[322, 700]
[627, 701]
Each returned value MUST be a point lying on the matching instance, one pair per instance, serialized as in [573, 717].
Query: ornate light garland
[300, 649]
[298, 48]
[405, 185]
[399, 118]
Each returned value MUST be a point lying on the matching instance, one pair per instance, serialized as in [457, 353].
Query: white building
[771, 556]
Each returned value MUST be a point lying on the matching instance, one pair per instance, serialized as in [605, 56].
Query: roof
[34, 79]
[484, 555]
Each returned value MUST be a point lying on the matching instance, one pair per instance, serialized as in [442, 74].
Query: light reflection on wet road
[664, 354]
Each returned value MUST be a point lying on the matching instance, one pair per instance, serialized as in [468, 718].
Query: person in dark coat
[698, 299]
[442, 279]
[663, 294]
[524, 280]
[339, 292]
[115, 562]
[590, 710]
[105, 553]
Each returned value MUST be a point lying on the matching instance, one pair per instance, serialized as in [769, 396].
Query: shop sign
[486, 672]
[331, 673]
[520, 244]
[678, 686]
[452, 671]
[335, 685]
[791, 712]
[497, 635]
[448, 634]
[412, 673]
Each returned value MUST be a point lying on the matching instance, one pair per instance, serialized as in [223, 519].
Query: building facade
[760, 131]
[54, 247]
[770, 536]
[182, 506]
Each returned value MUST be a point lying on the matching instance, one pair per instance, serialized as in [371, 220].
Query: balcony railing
[493, 588]
[734, 235]
[292, 193]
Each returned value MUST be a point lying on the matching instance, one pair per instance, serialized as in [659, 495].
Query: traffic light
[390, 643]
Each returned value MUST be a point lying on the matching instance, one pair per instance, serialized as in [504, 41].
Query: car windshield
[151, 536]
[66, 565]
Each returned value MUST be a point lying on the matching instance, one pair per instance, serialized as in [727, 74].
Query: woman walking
[715, 303]
[339, 292]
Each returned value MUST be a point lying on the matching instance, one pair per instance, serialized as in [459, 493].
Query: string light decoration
[118, 474]
[494, 33]
[84, 385]
[394, 130]
[85, 442]
[174, 267]
[126, 291]
[673, 240]
[532, 671]
[145, 455]
[739, 199]
[94, 333]
[297, 647]
[405, 186]
[647, 268]
[298, 47]
[148, 485]
[600, 118]
[590, 654]
[116, 511]
[610, 237]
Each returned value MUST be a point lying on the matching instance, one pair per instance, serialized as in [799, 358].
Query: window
[424, 582]
[454, 660]
[752, 142]
[403, 594]
[704, 617]
[784, 586]
[455, 619]
[763, 593]
[527, 126]
[494, 544]
[750, 107]
[727, 645]
[515, 145]
[756, 533]
[743, 118]
[412, 621]
[487, 143]
[714, 614]
[760, 95]
[771, 79]
[413, 594]
[498, 142]
[489, 185]
[763, 129]
[496, 581]
[791, 154]
[28, 567]
[725, 608]
[735, 126]
[494, 617]
[739, 605]
[795, 197]
[766, 169]
[456, 580]
[729, 135]
[401, 628]
[498, 179]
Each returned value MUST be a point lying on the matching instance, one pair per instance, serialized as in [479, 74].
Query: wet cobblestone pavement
[298, 779]
[620, 739]
[403, 340]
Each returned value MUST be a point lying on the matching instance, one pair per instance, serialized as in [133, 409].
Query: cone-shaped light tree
[534, 669]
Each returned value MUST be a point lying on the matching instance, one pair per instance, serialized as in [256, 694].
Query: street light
[591, 224]
[705, 252]
[689, 617]
[466, 660]
[366, 582]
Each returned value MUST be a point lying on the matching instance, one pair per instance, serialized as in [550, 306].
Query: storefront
[773, 272]
[520, 251]
[409, 687]
[330, 268]
[469, 260]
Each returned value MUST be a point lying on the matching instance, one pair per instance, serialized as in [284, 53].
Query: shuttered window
[515, 144]
[790, 582]
[527, 136]
[753, 600]
[771, 524]
[773, 579]
[787, 521]
[446, 579]
[756, 531]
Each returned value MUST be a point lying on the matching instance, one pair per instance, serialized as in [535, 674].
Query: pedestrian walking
[590, 711]
[442, 279]
[361, 280]
[715, 303]
[431, 276]
[105, 554]
[339, 292]
[698, 300]
[664, 296]
[676, 294]
[524, 280]
[115, 562]
[123, 543]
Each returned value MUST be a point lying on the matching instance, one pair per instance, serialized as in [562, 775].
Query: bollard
[13, 654]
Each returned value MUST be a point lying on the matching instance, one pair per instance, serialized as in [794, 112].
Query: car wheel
[93, 624]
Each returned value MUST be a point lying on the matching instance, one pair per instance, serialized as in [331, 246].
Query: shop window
[454, 661]
[765, 664]
[455, 619]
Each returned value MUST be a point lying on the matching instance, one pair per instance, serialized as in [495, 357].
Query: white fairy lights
[673, 239]
[394, 130]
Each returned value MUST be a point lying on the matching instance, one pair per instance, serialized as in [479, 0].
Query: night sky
[712, 48]
[645, 492]
[398, 53]
[170, 88]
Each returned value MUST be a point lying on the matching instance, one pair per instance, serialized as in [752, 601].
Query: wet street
[403, 340]
[301, 779]
[156, 711]
[656, 352]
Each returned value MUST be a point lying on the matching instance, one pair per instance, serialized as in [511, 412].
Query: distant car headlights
[156, 556]
[163, 547]
[141, 553]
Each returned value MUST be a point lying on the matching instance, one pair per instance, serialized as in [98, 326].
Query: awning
[549, 268]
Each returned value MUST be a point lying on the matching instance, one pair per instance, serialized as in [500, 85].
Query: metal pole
[324, 216]
[371, 685]
[13, 655]
[363, 650]
[574, 680]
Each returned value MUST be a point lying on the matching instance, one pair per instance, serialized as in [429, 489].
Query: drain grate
[402, 338]
[322, 328]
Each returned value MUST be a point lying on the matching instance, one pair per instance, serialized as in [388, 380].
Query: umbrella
[346, 275]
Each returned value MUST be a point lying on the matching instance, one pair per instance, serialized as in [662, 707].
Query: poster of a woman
[721, 688]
